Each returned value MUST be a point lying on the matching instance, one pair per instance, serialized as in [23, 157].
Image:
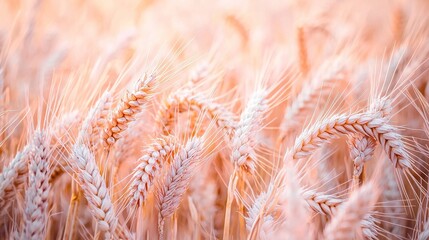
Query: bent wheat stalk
[363, 123]
[177, 180]
[184, 101]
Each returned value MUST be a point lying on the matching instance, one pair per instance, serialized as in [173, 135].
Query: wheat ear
[177, 180]
[364, 123]
[128, 107]
[361, 150]
[149, 165]
[95, 190]
[184, 101]
[254, 213]
[320, 202]
[243, 142]
[394, 209]
[95, 121]
[307, 100]
[36, 197]
[347, 220]
[12, 177]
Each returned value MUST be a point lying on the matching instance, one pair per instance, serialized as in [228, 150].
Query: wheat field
[156, 119]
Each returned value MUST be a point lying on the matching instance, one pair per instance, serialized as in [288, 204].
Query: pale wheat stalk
[12, 178]
[89, 133]
[95, 190]
[244, 139]
[203, 193]
[347, 220]
[95, 121]
[362, 147]
[256, 211]
[243, 155]
[149, 166]
[127, 108]
[394, 209]
[184, 101]
[308, 100]
[291, 203]
[363, 123]
[361, 151]
[177, 180]
[36, 197]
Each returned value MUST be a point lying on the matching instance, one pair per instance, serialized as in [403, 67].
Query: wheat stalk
[243, 142]
[254, 213]
[184, 101]
[393, 208]
[127, 108]
[307, 101]
[149, 165]
[36, 197]
[349, 215]
[12, 178]
[361, 150]
[95, 190]
[363, 123]
[177, 179]
[95, 121]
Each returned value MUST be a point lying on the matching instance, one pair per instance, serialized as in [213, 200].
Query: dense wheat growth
[156, 119]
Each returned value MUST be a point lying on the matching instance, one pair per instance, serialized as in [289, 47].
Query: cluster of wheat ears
[214, 120]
